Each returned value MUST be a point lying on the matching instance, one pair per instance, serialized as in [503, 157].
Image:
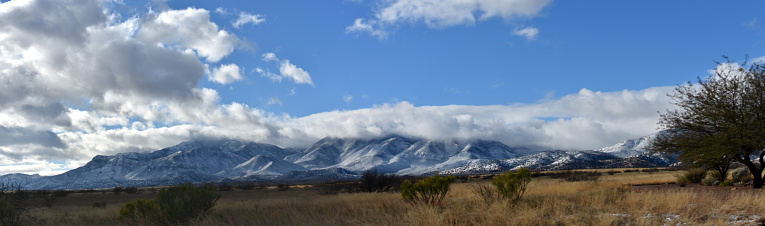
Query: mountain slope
[330, 158]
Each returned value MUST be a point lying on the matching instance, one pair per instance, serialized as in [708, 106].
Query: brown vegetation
[613, 199]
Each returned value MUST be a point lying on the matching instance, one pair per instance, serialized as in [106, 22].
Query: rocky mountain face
[329, 158]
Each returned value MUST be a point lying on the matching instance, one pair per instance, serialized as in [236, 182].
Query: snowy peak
[630, 147]
[264, 165]
[328, 158]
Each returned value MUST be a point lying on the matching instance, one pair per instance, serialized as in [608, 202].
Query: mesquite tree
[719, 119]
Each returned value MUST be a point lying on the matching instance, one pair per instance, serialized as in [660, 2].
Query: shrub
[118, 190]
[48, 198]
[488, 193]
[101, 204]
[333, 187]
[582, 176]
[17, 202]
[131, 190]
[247, 186]
[7, 213]
[512, 185]
[682, 181]
[741, 174]
[184, 202]
[709, 181]
[138, 209]
[61, 193]
[225, 187]
[726, 183]
[373, 181]
[428, 191]
[282, 187]
[695, 175]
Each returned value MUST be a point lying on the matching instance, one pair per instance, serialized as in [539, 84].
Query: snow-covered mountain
[329, 158]
[401, 155]
[626, 154]
[630, 147]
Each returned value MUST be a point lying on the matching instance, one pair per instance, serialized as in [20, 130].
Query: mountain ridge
[328, 158]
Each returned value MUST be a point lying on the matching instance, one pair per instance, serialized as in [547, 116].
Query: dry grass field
[616, 199]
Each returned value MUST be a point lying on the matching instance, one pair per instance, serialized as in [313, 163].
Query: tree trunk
[757, 181]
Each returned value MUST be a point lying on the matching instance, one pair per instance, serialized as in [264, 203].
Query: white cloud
[286, 70]
[226, 74]
[530, 33]
[268, 57]
[221, 11]
[190, 28]
[586, 120]
[360, 26]
[70, 72]
[275, 100]
[246, 18]
[347, 98]
[295, 73]
[445, 13]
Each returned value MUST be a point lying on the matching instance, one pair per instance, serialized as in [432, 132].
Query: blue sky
[599, 45]
[83, 78]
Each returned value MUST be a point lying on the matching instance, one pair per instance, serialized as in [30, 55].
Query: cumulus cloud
[530, 33]
[226, 74]
[70, 72]
[286, 70]
[439, 13]
[189, 29]
[246, 18]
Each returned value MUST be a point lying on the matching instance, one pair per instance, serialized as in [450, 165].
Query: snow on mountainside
[630, 147]
[329, 158]
[627, 154]
[401, 155]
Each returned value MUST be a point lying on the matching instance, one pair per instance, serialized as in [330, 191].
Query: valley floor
[612, 200]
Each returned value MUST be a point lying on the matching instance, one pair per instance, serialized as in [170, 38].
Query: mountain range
[329, 158]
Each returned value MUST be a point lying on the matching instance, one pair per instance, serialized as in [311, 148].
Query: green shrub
[695, 175]
[741, 174]
[428, 191]
[710, 181]
[512, 185]
[681, 181]
[139, 209]
[726, 183]
[8, 215]
[101, 204]
[131, 190]
[184, 202]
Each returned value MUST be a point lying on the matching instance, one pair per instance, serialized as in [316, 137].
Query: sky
[80, 78]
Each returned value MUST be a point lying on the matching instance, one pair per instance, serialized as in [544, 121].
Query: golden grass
[612, 200]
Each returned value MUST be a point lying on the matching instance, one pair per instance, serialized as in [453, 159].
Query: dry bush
[608, 201]
[741, 174]
[374, 181]
[512, 185]
[486, 192]
[429, 191]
